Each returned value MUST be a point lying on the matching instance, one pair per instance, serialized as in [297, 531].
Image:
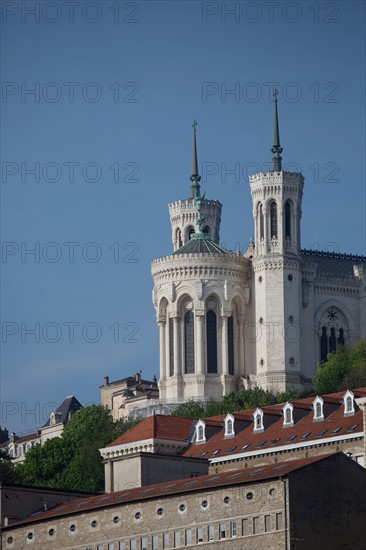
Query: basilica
[268, 317]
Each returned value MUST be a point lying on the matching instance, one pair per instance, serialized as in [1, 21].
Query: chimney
[106, 380]
[155, 379]
[138, 377]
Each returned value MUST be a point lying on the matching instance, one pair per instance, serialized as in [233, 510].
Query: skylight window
[261, 443]
[292, 438]
[245, 446]
[336, 430]
[216, 452]
[231, 449]
[305, 435]
[275, 441]
[352, 428]
[321, 433]
[203, 454]
[233, 476]
[282, 467]
[168, 487]
[256, 472]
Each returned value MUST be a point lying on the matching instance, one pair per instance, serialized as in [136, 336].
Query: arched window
[179, 241]
[348, 400]
[288, 220]
[189, 342]
[229, 425]
[206, 230]
[332, 331]
[171, 347]
[318, 409]
[230, 343]
[191, 231]
[200, 432]
[211, 339]
[332, 341]
[258, 420]
[261, 222]
[288, 418]
[323, 345]
[273, 220]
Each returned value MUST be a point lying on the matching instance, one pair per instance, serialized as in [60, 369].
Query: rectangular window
[245, 526]
[199, 534]
[176, 539]
[211, 532]
[267, 523]
[233, 529]
[279, 521]
[255, 525]
[99, 546]
[155, 542]
[133, 545]
[166, 540]
[122, 545]
[188, 536]
[111, 546]
[144, 543]
[222, 532]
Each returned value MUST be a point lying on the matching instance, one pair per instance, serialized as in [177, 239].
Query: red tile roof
[276, 435]
[173, 428]
[233, 477]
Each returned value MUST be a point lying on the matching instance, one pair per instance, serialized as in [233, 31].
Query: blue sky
[107, 132]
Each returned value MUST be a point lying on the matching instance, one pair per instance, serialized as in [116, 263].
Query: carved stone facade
[266, 318]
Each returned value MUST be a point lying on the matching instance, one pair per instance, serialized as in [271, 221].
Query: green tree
[7, 469]
[343, 369]
[73, 461]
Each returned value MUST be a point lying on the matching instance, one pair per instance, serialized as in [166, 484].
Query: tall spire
[195, 178]
[276, 149]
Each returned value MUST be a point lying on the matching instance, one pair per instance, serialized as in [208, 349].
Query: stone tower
[200, 296]
[277, 267]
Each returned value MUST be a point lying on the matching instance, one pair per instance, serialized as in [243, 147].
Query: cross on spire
[195, 177]
[276, 149]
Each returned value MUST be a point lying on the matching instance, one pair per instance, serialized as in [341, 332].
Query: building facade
[266, 318]
[254, 509]
[18, 445]
[165, 448]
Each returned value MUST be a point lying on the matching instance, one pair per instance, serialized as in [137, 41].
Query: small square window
[267, 523]
[279, 521]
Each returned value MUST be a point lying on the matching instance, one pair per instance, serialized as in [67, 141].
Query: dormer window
[52, 418]
[200, 432]
[288, 418]
[318, 409]
[349, 404]
[229, 426]
[258, 420]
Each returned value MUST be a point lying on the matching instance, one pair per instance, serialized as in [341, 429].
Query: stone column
[177, 350]
[224, 346]
[240, 368]
[199, 343]
[163, 357]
